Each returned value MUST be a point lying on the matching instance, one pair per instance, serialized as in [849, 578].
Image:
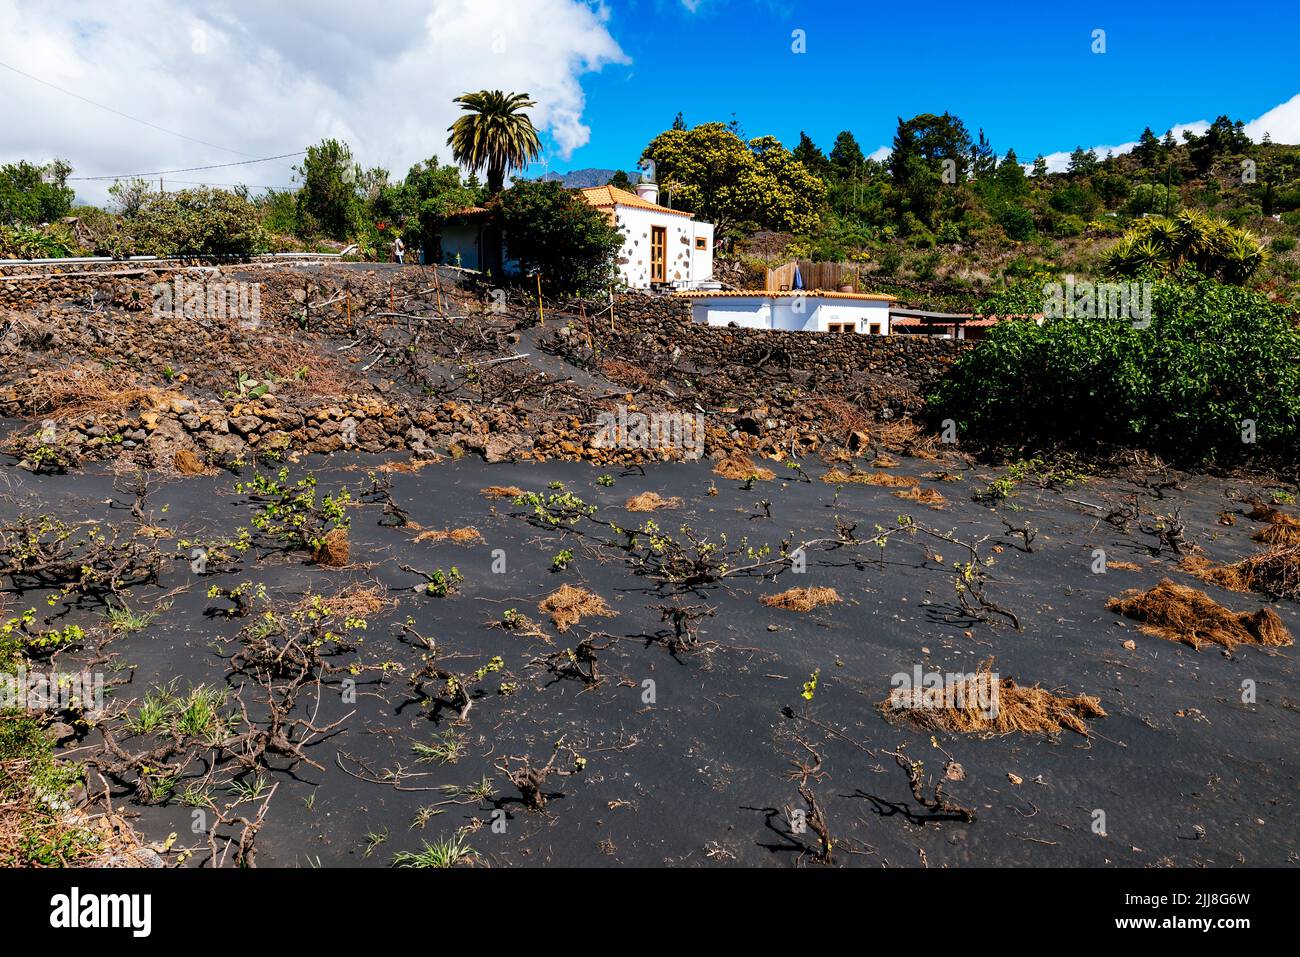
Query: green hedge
[1213, 356]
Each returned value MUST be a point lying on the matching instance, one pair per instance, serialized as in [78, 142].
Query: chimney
[648, 191]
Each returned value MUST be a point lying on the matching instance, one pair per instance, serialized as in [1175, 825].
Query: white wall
[685, 266]
[784, 313]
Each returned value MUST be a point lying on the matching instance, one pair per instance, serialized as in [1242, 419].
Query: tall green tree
[329, 201]
[495, 136]
[811, 156]
[733, 184]
[846, 156]
[931, 139]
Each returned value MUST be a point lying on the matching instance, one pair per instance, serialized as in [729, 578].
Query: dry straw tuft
[333, 550]
[83, 390]
[923, 496]
[461, 536]
[802, 599]
[568, 605]
[650, 501]
[740, 468]
[964, 707]
[881, 479]
[1178, 613]
[501, 491]
[1274, 572]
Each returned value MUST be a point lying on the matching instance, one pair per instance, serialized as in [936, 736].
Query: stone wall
[667, 322]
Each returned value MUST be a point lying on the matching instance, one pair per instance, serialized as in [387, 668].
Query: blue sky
[216, 81]
[1023, 72]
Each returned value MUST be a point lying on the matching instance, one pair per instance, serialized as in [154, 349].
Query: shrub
[1213, 356]
[201, 222]
[1209, 245]
[550, 230]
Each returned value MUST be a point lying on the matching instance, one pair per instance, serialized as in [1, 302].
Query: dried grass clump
[885, 461]
[568, 605]
[1178, 613]
[923, 496]
[82, 390]
[740, 468]
[1015, 710]
[1123, 566]
[802, 599]
[1281, 528]
[1283, 533]
[906, 437]
[295, 361]
[352, 601]
[882, 479]
[650, 501]
[187, 462]
[1260, 512]
[841, 417]
[501, 491]
[334, 549]
[461, 536]
[627, 373]
[1275, 572]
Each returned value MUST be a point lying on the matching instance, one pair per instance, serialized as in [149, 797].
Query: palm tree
[495, 136]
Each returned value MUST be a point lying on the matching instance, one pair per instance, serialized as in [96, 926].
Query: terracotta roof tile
[779, 293]
[607, 197]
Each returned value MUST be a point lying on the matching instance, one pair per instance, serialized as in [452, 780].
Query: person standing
[399, 251]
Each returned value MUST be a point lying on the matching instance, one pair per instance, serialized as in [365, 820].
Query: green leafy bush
[1213, 357]
[553, 231]
[200, 222]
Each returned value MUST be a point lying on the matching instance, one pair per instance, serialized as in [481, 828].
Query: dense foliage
[1164, 246]
[737, 186]
[200, 222]
[495, 136]
[552, 231]
[31, 195]
[1214, 358]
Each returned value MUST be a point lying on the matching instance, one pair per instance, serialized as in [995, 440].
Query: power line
[187, 182]
[128, 116]
[188, 169]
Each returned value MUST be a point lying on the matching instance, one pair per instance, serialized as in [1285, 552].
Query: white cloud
[1282, 123]
[1060, 162]
[267, 78]
[881, 153]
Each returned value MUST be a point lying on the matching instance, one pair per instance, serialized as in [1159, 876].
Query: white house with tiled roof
[864, 313]
[661, 246]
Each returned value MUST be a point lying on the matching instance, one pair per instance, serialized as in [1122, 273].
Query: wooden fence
[827, 277]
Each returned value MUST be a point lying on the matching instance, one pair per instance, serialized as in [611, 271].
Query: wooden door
[658, 254]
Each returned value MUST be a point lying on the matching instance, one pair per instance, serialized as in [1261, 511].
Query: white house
[797, 310]
[660, 245]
